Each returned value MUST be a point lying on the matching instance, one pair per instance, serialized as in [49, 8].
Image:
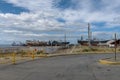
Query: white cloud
[12, 31]
[33, 5]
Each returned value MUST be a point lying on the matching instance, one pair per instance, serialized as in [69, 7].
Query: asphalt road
[72, 67]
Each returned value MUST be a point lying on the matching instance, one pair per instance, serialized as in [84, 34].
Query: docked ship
[41, 43]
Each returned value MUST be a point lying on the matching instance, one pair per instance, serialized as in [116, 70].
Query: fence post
[13, 58]
[33, 56]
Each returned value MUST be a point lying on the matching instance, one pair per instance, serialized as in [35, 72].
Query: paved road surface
[74, 67]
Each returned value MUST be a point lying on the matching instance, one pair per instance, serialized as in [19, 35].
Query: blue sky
[10, 8]
[21, 20]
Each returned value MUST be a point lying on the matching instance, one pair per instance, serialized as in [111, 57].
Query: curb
[107, 62]
[55, 55]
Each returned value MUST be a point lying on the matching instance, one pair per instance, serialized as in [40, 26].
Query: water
[5, 46]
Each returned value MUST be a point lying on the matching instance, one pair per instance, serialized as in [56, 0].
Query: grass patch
[96, 49]
[40, 52]
[89, 49]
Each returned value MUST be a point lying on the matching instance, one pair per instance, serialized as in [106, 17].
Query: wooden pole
[115, 47]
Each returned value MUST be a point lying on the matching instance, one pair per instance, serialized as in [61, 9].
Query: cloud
[32, 5]
[82, 12]
[44, 17]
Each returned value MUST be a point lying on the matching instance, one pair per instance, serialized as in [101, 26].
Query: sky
[22, 20]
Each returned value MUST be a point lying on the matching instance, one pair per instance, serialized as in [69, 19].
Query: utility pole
[115, 47]
[89, 36]
[65, 39]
